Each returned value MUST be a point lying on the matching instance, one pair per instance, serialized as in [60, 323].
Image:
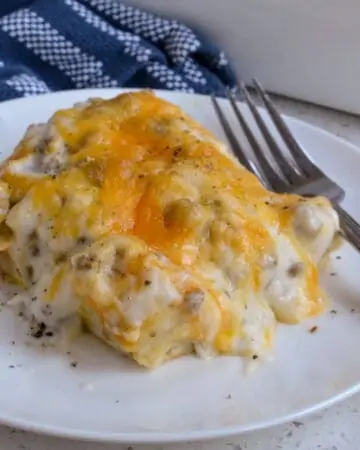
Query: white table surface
[335, 429]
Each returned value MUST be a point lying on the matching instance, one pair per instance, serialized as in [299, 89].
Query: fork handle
[349, 227]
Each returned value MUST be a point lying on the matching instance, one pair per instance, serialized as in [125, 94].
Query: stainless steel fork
[295, 172]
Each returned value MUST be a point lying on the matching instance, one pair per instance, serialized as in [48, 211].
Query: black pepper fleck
[313, 330]
[254, 357]
[11, 366]
[74, 364]
[84, 262]
[333, 311]
[147, 282]
[297, 424]
[177, 152]
[332, 274]
[35, 250]
[39, 331]
[352, 310]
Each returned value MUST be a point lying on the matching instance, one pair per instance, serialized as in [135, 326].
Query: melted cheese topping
[131, 214]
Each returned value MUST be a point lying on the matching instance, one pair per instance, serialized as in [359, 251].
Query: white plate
[108, 398]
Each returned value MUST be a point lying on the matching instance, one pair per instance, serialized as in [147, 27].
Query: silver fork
[295, 173]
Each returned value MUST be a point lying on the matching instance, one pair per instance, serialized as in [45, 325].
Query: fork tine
[235, 144]
[349, 226]
[275, 181]
[288, 170]
[300, 157]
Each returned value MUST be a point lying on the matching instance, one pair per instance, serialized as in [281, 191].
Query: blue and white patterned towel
[50, 45]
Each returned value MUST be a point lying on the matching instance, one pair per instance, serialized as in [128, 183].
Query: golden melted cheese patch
[219, 257]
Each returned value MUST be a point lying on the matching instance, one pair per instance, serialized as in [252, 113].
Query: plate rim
[155, 437]
[178, 437]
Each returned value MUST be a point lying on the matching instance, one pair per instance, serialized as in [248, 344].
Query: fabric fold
[75, 44]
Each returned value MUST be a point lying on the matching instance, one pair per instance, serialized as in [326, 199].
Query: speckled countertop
[334, 429]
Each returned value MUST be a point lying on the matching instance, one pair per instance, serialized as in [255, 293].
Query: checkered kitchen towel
[50, 45]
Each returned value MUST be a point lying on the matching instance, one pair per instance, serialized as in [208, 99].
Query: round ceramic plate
[108, 398]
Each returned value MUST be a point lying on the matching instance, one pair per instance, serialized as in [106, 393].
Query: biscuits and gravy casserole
[130, 214]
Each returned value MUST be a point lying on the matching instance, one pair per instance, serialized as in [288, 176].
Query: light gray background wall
[309, 49]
